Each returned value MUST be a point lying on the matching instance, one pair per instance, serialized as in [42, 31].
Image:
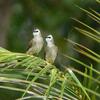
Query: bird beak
[34, 31]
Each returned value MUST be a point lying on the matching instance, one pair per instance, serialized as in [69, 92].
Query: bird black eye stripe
[49, 37]
[35, 31]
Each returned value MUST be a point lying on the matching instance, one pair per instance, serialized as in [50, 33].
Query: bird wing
[30, 43]
[31, 46]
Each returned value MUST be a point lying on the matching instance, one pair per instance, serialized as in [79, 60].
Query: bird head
[49, 39]
[36, 32]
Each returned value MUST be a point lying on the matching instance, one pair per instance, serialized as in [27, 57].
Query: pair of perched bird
[37, 43]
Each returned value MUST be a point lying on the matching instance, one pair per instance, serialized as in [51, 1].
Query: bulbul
[36, 43]
[51, 49]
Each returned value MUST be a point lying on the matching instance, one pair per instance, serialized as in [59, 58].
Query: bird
[51, 49]
[36, 43]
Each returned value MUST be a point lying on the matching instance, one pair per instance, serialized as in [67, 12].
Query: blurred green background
[19, 17]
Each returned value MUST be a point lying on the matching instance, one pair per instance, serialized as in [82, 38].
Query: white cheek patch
[36, 33]
[47, 40]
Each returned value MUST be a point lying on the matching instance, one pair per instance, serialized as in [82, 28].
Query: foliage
[33, 77]
[37, 77]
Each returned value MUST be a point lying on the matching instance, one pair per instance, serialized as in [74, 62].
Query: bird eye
[35, 31]
[49, 37]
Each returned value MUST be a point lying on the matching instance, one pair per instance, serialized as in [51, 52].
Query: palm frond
[30, 70]
[85, 51]
[89, 78]
[98, 1]
[87, 26]
[90, 14]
